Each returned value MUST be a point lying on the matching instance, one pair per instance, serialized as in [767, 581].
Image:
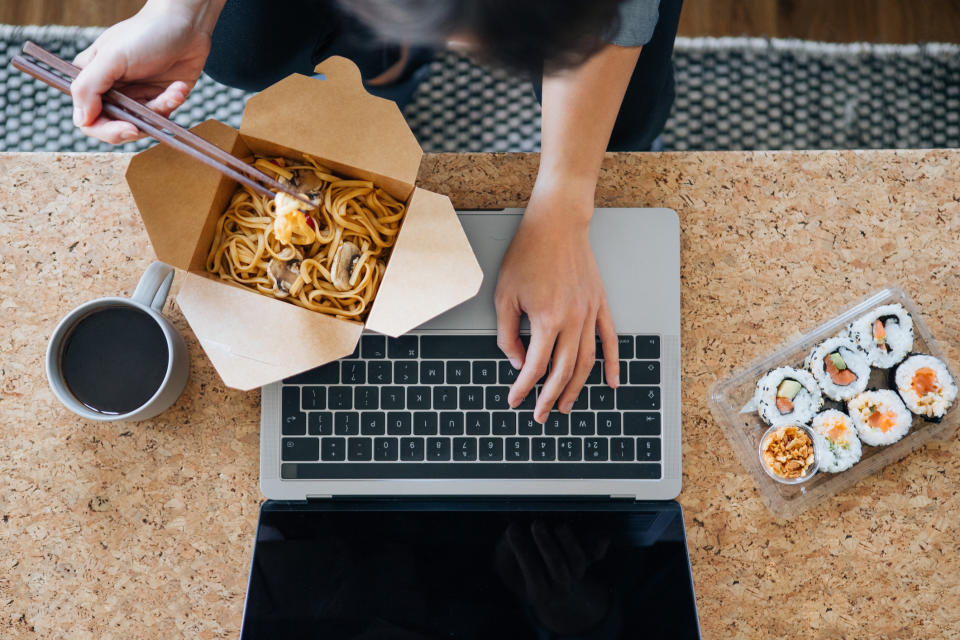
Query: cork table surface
[145, 530]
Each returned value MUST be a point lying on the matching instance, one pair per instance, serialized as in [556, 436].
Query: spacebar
[512, 470]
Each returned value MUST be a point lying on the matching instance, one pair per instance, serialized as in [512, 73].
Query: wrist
[563, 199]
[200, 14]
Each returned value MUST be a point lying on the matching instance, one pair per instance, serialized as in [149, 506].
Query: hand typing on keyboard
[550, 274]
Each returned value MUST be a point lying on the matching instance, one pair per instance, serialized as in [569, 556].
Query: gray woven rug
[732, 93]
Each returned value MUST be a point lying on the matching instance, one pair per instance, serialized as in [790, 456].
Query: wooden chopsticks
[122, 107]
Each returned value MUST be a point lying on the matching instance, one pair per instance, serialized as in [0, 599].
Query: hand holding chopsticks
[122, 107]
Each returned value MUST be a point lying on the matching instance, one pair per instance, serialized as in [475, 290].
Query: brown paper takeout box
[253, 339]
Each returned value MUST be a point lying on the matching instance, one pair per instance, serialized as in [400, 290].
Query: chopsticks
[122, 107]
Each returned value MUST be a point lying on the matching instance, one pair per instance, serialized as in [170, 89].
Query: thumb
[508, 332]
[93, 81]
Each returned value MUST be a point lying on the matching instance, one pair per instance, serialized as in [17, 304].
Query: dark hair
[525, 36]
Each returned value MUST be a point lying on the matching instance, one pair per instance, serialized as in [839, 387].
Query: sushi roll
[880, 417]
[787, 395]
[885, 334]
[926, 386]
[838, 447]
[840, 367]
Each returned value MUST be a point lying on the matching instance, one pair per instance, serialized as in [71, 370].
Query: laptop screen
[401, 571]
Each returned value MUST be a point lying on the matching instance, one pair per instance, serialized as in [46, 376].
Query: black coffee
[114, 359]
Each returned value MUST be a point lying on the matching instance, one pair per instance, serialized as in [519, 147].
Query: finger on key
[585, 359]
[535, 364]
[564, 360]
[608, 341]
[508, 331]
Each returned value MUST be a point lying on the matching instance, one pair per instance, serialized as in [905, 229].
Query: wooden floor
[829, 20]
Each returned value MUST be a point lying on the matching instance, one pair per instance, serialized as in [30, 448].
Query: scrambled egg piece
[290, 219]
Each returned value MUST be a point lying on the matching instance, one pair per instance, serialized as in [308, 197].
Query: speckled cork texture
[145, 530]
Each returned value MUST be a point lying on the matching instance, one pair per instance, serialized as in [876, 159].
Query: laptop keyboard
[435, 406]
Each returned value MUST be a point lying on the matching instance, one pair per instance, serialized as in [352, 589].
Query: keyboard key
[568, 449]
[405, 372]
[398, 423]
[581, 402]
[299, 449]
[380, 372]
[464, 449]
[294, 424]
[327, 374]
[497, 398]
[419, 470]
[506, 373]
[424, 423]
[402, 347]
[451, 423]
[595, 373]
[333, 449]
[542, 449]
[625, 345]
[484, 372]
[648, 348]
[557, 424]
[517, 449]
[638, 398]
[644, 372]
[385, 449]
[648, 449]
[582, 424]
[504, 423]
[320, 423]
[373, 423]
[624, 372]
[373, 347]
[353, 372]
[444, 397]
[478, 423]
[594, 449]
[471, 397]
[641, 423]
[359, 449]
[601, 397]
[458, 372]
[290, 400]
[313, 398]
[356, 353]
[490, 449]
[366, 398]
[621, 449]
[448, 347]
[392, 398]
[528, 403]
[438, 449]
[418, 397]
[411, 449]
[340, 398]
[346, 423]
[527, 426]
[431, 372]
[608, 423]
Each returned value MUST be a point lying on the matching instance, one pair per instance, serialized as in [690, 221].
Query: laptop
[407, 501]
[426, 414]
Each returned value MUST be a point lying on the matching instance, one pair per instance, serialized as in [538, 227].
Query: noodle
[329, 259]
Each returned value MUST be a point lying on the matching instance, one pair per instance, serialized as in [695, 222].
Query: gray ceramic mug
[148, 298]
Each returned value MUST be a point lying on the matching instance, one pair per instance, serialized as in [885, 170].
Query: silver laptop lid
[638, 253]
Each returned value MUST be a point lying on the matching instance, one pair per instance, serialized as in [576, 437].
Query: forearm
[580, 107]
[202, 14]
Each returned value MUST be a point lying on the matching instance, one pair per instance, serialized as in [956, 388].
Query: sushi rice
[879, 416]
[885, 334]
[926, 386]
[803, 406]
[838, 447]
[836, 383]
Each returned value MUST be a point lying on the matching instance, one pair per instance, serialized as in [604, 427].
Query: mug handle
[154, 286]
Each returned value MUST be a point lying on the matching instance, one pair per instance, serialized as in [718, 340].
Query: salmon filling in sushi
[880, 417]
[788, 395]
[925, 385]
[840, 367]
[885, 334]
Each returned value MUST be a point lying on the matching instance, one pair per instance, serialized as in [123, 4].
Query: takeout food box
[253, 339]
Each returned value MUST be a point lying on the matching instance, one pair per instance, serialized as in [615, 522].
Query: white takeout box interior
[253, 339]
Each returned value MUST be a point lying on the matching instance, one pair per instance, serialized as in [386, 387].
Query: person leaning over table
[607, 84]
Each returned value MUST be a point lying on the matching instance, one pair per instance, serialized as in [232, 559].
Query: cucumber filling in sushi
[788, 395]
[840, 367]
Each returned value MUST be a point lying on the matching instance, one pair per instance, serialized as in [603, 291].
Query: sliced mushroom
[344, 262]
[283, 275]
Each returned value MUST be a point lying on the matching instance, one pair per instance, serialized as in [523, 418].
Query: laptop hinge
[319, 498]
[624, 496]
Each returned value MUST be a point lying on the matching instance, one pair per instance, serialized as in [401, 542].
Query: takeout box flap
[337, 122]
[176, 195]
[253, 340]
[432, 267]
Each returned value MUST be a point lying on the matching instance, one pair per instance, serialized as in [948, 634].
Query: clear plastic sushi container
[727, 397]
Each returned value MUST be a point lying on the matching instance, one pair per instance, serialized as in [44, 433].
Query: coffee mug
[119, 358]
